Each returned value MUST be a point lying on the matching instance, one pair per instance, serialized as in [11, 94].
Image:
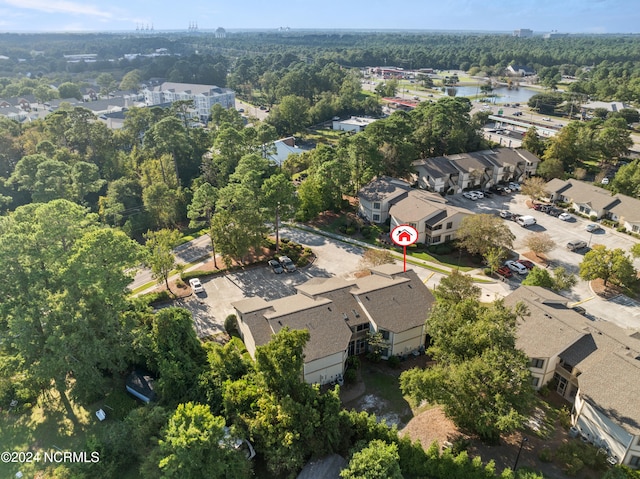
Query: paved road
[185, 253]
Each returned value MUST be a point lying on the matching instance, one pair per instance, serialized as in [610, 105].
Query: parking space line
[581, 301]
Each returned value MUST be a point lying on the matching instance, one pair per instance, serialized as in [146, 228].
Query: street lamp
[515, 465]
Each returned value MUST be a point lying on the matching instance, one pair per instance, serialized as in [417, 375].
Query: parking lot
[621, 310]
[560, 231]
[210, 308]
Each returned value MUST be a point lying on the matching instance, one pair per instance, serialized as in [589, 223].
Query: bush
[155, 297]
[571, 210]
[353, 362]
[545, 454]
[487, 271]
[394, 362]
[544, 391]
[231, 324]
[593, 218]
[565, 417]
[350, 376]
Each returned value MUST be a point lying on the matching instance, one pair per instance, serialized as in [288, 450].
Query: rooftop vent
[345, 317]
[355, 313]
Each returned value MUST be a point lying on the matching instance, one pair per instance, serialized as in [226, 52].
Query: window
[450, 225]
[376, 218]
[635, 461]
[535, 382]
[362, 327]
[376, 206]
[385, 334]
[536, 363]
[436, 239]
[447, 238]
[437, 227]
[635, 229]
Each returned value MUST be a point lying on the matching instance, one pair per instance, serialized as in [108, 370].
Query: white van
[525, 221]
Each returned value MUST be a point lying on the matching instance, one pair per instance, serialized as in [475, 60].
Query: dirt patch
[607, 292]
[530, 255]
[431, 425]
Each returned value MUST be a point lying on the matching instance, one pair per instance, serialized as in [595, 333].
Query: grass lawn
[46, 427]
[327, 137]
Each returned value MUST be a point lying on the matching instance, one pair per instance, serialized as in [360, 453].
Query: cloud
[60, 6]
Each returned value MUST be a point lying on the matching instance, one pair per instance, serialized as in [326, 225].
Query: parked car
[576, 245]
[526, 263]
[605, 181]
[593, 228]
[554, 211]
[287, 264]
[505, 214]
[470, 195]
[516, 267]
[196, 285]
[565, 217]
[526, 221]
[276, 266]
[488, 194]
[479, 194]
[580, 310]
[504, 271]
[514, 186]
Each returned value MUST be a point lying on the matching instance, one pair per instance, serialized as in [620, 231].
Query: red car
[526, 263]
[504, 271]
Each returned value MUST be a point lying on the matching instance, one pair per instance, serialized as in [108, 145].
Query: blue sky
[570, 16]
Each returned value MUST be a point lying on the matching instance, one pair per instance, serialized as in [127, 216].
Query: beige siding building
[338, 314]
[593, 365]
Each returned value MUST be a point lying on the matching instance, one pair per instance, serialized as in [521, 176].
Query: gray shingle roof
[395, 304]
[602, 353]
[382, 188]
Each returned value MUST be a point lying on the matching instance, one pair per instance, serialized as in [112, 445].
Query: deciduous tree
[378, 460]
[539, 243]
[64, 286]
[605, 264]
[481, 379]
[477, 233]
[159, 253]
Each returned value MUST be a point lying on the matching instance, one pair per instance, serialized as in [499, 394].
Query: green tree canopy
[378, 460]
[481, 379]
[194, 445]
[64, 285]
[477, 233]
[607, 265]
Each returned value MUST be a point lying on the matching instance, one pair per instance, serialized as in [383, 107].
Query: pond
[503, 94]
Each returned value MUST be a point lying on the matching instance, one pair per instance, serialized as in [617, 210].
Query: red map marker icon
[404, 235]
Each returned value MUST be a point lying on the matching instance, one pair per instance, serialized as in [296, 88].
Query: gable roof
[395, 300]
[437, 167]
[421, 204]
[383, 188]
[329, 308]
[603, 353]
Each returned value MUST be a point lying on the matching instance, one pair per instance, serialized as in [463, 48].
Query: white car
[470, 195]
[479, 194]
[196, 285]
[516, 267]
[546, 119]
[514, 186]
[565, 217]
[605, 181]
